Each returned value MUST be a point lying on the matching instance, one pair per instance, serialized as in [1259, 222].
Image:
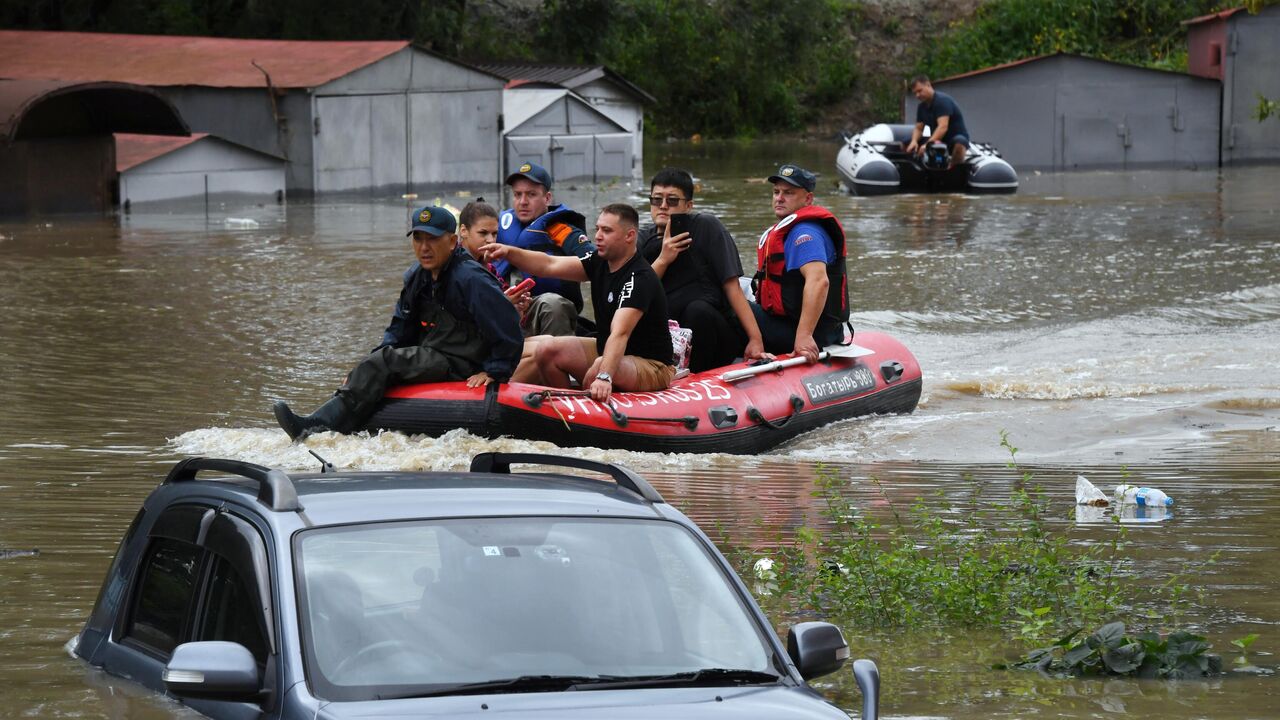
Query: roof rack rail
[275, 487]
[496, 462]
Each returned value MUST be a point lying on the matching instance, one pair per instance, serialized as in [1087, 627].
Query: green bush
[1109, 651]
[1142, 32]
[974, 563]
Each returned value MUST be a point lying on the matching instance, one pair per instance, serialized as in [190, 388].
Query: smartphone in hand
[679, 223]
[525, 284]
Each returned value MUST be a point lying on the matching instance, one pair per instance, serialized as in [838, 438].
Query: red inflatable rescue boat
[735, 409]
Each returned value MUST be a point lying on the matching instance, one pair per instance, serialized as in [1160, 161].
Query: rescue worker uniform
[810, 233]
[448, 327]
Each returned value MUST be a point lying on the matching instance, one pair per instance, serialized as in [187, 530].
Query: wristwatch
[605, 377]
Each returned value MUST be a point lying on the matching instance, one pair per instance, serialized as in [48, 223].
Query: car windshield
[430, 607]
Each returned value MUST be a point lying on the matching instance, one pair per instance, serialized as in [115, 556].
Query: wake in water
[392, 451]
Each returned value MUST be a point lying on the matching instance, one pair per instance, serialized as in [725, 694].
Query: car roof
[350, 497]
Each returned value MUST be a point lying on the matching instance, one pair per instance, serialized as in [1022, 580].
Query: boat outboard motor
[935, 156]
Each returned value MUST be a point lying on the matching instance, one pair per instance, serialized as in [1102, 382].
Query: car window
[230, 612]
[390, 608]
[163, 601]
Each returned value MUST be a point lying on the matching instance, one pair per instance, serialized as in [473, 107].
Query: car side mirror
[817, 648]
[867, 675]
[213, 670]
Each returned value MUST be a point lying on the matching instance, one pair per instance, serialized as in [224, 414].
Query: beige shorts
[650, 374]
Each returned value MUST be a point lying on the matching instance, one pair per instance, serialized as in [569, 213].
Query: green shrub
[1142, 32]
[1109, 651]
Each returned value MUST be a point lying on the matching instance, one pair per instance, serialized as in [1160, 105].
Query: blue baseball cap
[795, 175]
[531, 171]
[433, 220]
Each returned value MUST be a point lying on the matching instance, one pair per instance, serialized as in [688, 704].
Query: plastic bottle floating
[1141, 496]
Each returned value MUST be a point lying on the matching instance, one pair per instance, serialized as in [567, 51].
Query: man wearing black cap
[802, 293]
[452, 322]
[535, 223]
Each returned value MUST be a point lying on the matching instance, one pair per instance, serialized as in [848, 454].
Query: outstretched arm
[536, 263]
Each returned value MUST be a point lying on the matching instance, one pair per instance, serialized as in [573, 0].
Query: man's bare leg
[559, 357]
[527, 370]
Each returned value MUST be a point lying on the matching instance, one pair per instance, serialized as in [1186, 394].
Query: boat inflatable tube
[699, 413]
[874, 162]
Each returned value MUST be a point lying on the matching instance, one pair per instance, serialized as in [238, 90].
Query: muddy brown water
[1119, 325]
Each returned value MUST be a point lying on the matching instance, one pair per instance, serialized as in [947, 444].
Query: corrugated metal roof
[567, 76]
[1223, 15]
[133, 150]
[563, 75]
[160, 61]
[1077, 56]
[50, 108]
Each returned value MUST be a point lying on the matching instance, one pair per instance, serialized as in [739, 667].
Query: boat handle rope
[536, 398]
[796, 405]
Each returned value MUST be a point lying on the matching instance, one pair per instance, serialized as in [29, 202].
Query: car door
[204, 575]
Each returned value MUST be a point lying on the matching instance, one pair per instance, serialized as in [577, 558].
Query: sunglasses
[668, 201]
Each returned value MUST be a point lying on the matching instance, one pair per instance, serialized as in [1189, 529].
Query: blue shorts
[958, 140]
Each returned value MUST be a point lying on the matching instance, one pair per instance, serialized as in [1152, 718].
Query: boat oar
[846, 351]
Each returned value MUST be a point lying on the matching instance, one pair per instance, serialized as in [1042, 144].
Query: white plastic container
[1141, 496]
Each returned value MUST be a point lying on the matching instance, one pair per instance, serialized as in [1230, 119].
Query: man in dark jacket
[452, 322]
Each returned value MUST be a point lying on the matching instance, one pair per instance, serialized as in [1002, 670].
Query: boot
[332, 415]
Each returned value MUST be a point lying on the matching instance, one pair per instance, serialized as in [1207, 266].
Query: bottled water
[1141, 496]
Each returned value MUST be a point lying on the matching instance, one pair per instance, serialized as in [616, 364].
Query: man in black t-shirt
[700, 271]
[633, 349]
[940, 112]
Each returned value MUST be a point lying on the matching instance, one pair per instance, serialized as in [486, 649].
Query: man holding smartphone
[698, 261]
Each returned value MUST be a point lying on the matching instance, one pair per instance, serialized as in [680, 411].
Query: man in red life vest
[802, 293]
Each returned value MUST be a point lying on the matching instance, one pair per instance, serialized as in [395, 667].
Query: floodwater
[1119, 325]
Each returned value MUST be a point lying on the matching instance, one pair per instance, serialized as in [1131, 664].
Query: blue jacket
[470, 294]
[557, 232]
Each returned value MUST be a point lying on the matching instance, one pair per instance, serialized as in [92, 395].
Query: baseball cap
[795, 175]
[531, 171]
[433, 220]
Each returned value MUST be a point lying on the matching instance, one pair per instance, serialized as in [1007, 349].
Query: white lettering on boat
[695, 391]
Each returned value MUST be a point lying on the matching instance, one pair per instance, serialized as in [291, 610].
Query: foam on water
[391, 451]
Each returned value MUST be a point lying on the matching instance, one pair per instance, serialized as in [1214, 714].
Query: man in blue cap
[535, 222]
[452, 322]
[802, 290]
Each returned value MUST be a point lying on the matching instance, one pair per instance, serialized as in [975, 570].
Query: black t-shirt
[634, 285]
[943, 105]
[700, 271]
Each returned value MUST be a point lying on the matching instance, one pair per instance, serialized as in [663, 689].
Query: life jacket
[558, 231]
[780, 291]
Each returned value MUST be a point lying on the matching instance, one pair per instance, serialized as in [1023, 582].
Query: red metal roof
[1212, 16]
[133, 150]
[160, 60]
[993, 68]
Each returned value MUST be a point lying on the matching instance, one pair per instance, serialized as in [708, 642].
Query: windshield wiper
[704, 678]
[524, 683]
[553, 683]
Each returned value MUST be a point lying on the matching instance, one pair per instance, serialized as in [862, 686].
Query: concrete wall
[57, 175]
[1066, 112]
[410, 122]
[1251, 67]
[207, 165]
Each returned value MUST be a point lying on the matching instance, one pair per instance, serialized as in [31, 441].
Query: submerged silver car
[341, 595]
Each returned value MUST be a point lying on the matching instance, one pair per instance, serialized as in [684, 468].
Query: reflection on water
[1120, 325]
